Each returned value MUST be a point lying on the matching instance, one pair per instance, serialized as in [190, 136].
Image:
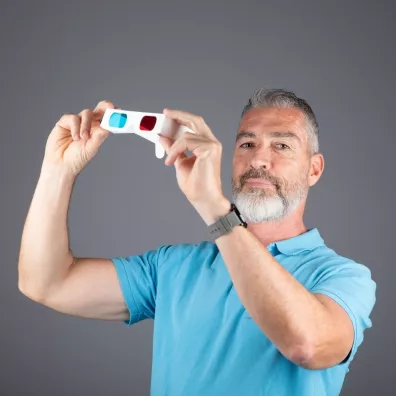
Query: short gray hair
[281, 98]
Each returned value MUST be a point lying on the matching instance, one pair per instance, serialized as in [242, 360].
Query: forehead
[261, 120]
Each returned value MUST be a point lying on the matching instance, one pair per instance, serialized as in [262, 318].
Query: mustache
[260, 174]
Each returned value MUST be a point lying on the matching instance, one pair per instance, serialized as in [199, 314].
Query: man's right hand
[76, 139]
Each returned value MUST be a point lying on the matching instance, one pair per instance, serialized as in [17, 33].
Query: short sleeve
[352, 287]
[138, 279]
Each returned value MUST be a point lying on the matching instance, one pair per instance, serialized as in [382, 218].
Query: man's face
[271, 163]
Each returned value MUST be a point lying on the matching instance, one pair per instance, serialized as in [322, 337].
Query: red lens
[148, 123]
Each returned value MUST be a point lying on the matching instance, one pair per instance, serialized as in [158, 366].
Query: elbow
[31, 294]
[30, 291]
[303, 355]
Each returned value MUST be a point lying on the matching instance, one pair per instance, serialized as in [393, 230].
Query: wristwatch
[226, 223]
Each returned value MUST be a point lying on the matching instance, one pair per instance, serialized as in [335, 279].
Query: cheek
[239, 165]
[285, 166]
[290, 172]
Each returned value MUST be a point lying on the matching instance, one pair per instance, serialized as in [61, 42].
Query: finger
[192, 121]
[176, 153]
[100, 109]
[99, 136]
[167, 143]
[71, 122]
[86, 122]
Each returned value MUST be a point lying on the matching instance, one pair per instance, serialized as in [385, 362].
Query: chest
[201, 303]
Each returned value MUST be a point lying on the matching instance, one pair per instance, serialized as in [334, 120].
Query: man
[266, 308]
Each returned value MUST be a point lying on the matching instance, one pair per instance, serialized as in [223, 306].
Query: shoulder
[334, 273]
[325, 266]
[329, 262]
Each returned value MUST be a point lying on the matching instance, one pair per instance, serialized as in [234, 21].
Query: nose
[261, 158]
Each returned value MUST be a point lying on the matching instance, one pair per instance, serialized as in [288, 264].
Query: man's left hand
[198, 176]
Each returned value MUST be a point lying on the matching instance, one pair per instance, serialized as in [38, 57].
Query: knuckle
[191, 124]
[105, 102]
[73, 118]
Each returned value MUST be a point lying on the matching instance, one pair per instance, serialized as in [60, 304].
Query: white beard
[260, 208]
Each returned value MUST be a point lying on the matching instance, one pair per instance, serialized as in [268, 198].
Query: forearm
[290, 316]
[284, 309]
[45, 256]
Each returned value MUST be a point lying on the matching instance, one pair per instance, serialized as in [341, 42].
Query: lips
[259, 182]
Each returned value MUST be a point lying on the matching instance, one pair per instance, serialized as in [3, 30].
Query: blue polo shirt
[206, 343]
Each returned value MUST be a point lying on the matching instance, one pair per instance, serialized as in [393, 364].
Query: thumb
[99, 136]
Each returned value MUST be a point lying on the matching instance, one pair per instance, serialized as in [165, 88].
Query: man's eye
[244, 144]
[282, 146]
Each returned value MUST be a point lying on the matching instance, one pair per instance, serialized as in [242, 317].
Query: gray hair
[283, 99]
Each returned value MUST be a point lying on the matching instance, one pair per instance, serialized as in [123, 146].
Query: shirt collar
[309, 240]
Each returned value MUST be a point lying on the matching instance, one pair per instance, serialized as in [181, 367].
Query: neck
[288, 227]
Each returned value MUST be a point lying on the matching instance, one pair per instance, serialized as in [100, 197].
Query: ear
[316, 168]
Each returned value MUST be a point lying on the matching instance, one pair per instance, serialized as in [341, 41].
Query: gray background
[205, 57]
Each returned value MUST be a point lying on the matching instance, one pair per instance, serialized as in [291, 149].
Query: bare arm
[48, 272]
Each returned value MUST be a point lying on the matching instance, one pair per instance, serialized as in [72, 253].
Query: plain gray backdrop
[205, 57]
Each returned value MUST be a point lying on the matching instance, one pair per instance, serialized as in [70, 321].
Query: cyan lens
[118, 120]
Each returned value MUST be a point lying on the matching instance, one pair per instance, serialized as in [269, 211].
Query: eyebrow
[286, 134]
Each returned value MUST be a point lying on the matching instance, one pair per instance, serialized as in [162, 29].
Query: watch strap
[226, 223]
